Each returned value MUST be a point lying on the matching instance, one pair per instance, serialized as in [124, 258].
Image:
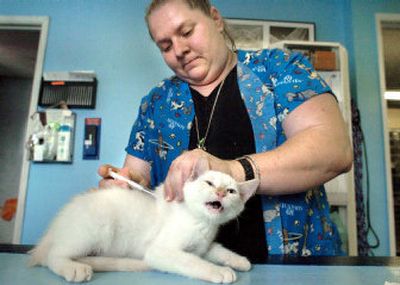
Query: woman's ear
[248, 188]
[216, 16]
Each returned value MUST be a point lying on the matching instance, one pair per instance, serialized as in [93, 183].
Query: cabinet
[331, 62]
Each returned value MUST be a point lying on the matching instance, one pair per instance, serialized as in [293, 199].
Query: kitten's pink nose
[221, 193]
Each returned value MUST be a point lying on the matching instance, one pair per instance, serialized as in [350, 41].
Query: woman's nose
[180, 47]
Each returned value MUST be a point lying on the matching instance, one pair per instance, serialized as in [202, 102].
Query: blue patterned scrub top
[272, 84]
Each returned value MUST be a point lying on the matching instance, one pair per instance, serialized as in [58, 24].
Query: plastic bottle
[64, 142]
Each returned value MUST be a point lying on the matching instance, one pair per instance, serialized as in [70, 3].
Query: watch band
[255, 166]
[248, 168]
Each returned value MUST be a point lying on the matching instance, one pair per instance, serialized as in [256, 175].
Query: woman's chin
[196, 76]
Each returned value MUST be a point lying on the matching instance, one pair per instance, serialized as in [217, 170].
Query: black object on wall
[75, 89]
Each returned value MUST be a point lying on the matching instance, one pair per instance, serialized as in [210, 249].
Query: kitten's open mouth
[215, 206]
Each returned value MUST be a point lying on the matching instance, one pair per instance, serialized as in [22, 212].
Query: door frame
[39, 23]
[379, 18]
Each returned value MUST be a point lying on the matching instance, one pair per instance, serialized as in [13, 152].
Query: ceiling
[18, 50]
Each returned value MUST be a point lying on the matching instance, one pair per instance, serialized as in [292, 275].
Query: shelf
[334, 65]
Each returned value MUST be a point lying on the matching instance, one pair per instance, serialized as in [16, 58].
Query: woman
[259, 114]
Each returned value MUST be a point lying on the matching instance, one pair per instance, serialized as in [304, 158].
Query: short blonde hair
[202, 5]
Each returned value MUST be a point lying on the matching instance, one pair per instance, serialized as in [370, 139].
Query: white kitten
[121, 230]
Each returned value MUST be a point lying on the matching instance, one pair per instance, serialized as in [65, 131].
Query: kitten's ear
[199, 168]
[248, 188]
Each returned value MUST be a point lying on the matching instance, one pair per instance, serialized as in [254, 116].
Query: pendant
[201, 144]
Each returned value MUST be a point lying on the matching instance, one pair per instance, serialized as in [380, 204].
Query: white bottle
[64, 143]
[38, 150]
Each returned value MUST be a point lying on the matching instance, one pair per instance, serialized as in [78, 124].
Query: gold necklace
[201, 143]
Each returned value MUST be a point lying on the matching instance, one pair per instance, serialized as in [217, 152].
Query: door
[388, 35]
[22, 45]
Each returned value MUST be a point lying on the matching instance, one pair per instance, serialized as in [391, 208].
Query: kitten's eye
[231, 191]
[209, 183]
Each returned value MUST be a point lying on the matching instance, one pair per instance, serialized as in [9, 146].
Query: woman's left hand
[182, 167]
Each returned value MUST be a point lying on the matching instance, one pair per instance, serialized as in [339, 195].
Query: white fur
[121, 230]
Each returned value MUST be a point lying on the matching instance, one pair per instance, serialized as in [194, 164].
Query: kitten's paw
[241, 264]
[77, 272]
[222, 275]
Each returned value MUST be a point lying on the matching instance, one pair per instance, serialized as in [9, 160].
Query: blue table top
[13, 271]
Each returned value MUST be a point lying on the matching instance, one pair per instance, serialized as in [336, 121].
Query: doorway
[22, 46]
[388, 36]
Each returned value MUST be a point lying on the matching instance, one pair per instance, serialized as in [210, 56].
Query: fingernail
[179, 197]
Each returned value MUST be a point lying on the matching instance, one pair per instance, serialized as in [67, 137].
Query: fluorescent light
[392, 95]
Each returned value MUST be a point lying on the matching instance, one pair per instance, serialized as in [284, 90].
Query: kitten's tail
[38, 255]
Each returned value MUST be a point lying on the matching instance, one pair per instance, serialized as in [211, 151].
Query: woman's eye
[187, 33]
[209, 183]
[231, 191]
[165, 48]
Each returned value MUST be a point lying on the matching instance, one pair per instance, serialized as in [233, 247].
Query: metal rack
[341, 190]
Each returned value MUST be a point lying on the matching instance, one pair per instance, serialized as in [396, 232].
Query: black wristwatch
[247, 167]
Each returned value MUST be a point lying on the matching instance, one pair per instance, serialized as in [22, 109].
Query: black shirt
[231, 136]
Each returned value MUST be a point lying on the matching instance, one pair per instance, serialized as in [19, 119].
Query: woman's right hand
[107, 181]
